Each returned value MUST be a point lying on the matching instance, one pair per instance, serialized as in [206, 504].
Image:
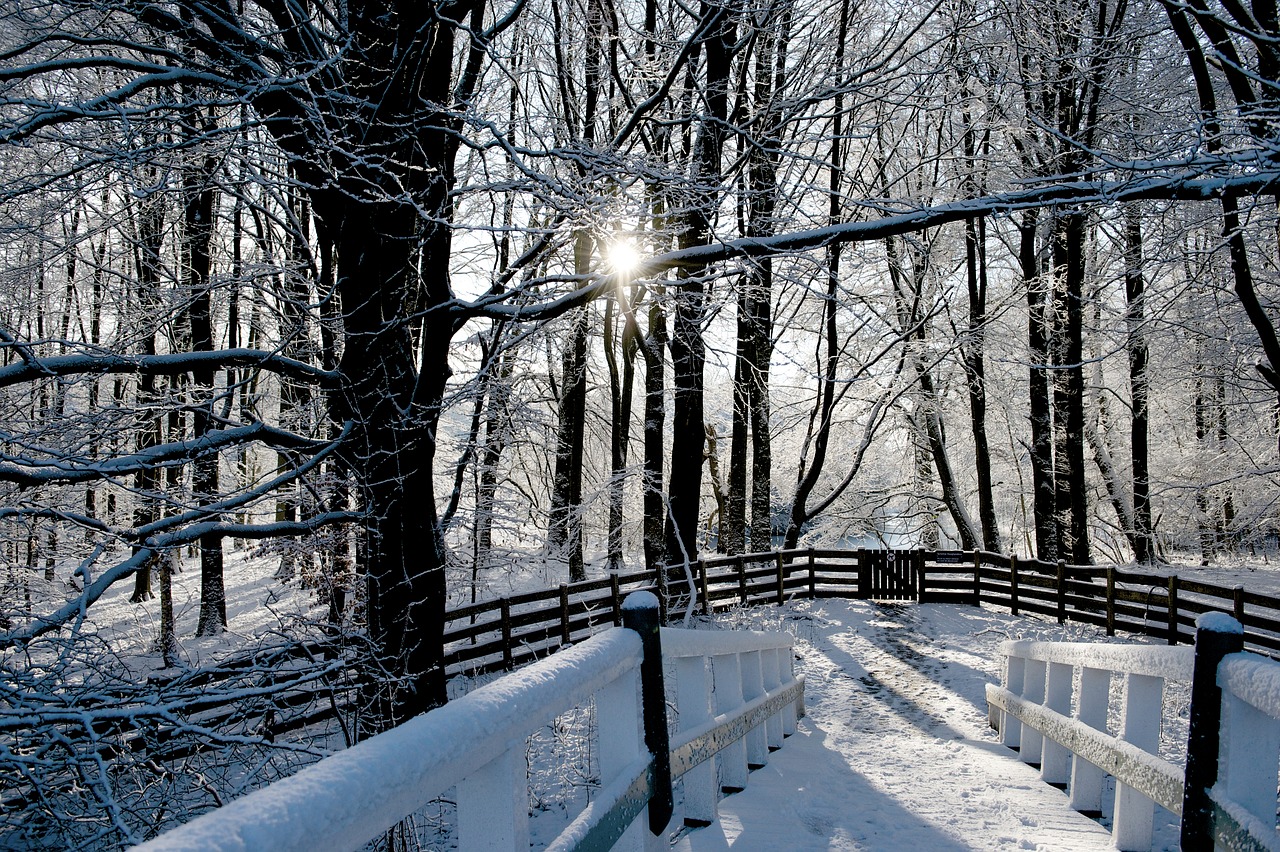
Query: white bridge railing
[736, 696]
[1054, 707]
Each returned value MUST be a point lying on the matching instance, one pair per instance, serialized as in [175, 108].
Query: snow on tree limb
[28, 473]
[165, 365]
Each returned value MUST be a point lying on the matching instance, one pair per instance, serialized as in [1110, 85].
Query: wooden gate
[892, 575]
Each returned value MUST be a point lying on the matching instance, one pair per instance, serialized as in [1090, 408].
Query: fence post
[640, 612]
[1173, 609]
[977, 577]
[813, 580]
[919, 573]
[702, 587]
[1237, 603]
[1062, 591]
[864, 574]
[1111, 600]
[1217, 635]
[1013, 584]
[505, 617]
[726, 673]
[615, 595]
[564, 614]
[781, 579]
[740, 566]
[1055, 761]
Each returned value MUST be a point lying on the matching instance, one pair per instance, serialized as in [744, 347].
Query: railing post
[1237, 603]
[640, 612]
[493, 803]
[1032, 746]
[1217, 635]
[1055, 763]
[1091, 708]
[1173, 609]
[693, 696]
[753, 688]
[740, 566]
[813, 578]
[1111, 600]
[771, 671]
[1015, 669]
[864, 573]
[727, 673]
[1140, 725]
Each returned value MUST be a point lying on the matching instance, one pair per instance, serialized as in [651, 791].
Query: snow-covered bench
[1053, 706]
[477, 744]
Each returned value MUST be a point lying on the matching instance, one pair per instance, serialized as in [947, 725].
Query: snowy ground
[896, 753]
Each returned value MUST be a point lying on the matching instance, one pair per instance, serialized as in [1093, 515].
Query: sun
[622, 256]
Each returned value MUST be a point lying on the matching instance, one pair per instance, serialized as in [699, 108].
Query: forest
[405, 294]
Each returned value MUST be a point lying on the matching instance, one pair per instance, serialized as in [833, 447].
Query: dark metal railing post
[1217, 635]
[1173, 609]
[640, 613]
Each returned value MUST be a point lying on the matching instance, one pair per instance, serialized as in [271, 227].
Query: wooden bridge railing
[1055, 706]
[504, 632]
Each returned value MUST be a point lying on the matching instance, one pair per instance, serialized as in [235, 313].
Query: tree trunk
[566, 496]
[1143, 539]
[1041, 411]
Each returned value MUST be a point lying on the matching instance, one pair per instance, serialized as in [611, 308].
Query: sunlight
[622, 256]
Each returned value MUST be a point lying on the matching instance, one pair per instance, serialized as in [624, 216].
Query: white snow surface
[895, 752]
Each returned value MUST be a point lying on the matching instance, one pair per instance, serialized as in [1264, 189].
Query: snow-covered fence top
[1171, 663]
[477, 744]
[1054, 707]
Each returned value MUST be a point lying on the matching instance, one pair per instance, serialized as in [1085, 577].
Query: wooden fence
[502, 633]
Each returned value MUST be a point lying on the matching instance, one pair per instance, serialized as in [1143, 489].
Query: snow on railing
[1053, 707]
[477, 744]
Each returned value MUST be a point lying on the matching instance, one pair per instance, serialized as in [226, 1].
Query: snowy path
[896, 753]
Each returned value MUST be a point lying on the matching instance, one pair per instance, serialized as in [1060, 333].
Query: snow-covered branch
[27, 473]
[166, 365]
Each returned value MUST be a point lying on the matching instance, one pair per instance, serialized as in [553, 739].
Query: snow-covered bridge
[895, 753]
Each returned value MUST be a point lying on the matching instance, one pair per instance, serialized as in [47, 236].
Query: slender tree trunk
[655, 415]
[1144, 549]
[1039, 320]
[566, 495]
[688, 349]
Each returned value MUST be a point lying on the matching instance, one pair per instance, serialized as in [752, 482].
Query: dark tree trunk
[1135, 299]
[566, 495]
[688, 353]
[655, 415]
[1041, 411]
[828, 360]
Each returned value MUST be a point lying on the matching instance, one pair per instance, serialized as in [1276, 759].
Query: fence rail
[502, 633]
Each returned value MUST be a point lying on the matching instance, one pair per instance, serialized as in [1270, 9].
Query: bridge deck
[896, 753]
